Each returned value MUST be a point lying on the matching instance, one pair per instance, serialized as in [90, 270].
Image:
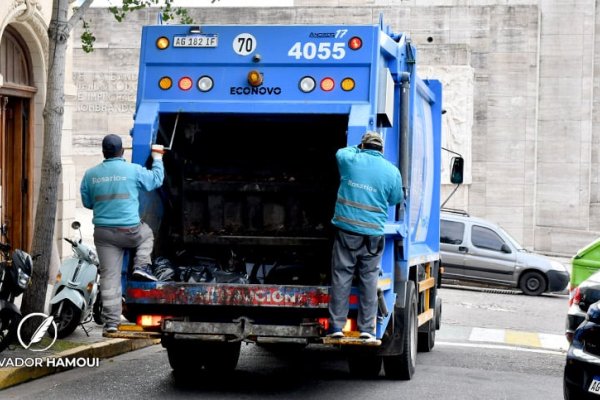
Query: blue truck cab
[252, 117]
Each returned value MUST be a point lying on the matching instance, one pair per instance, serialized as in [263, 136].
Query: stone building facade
[521, 94]
[520, 80]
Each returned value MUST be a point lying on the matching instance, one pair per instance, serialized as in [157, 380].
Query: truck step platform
[351, 341]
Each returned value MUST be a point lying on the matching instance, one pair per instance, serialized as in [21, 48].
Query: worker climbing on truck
[111, 190]
[369, 185]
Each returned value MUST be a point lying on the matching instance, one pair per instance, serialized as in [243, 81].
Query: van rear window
[451, 232]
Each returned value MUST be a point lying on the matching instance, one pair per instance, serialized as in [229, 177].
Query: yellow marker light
[327, 84]
[185, 83]
[89, 287]
[348, 84]
[162, 43]
[165, 83]
[58, 277]
[255, 78]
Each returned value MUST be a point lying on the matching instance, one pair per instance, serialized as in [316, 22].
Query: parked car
[473, 249]
[584, 295]
[582, 370]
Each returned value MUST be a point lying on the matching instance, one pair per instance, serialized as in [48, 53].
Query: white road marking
[500, 347]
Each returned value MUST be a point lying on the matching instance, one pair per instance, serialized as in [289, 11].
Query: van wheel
[532, 283]
[402, 366]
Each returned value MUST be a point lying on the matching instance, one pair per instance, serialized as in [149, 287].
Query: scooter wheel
[97, 311]
[67, 320]
[9, 321]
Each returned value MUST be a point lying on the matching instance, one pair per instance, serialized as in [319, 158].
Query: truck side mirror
[505, 249]
[458, 165]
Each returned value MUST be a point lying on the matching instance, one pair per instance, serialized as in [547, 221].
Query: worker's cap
[373, 139]
[112, 145]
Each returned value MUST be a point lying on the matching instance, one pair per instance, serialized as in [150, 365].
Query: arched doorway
[16, 139]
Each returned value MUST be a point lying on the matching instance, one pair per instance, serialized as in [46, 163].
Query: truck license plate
[595, 385]
[195, 41]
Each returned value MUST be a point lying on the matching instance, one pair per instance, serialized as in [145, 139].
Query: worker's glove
[157, 151]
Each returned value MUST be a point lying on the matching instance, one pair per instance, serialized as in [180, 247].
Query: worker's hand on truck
[157, 151]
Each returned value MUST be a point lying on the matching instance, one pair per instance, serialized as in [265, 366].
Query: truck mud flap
[240, 329]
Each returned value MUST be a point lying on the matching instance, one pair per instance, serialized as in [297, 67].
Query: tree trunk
[34, 297]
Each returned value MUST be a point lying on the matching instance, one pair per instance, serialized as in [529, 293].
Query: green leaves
[87, 38]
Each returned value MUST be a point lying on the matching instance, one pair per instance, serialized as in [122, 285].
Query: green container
[585, 263]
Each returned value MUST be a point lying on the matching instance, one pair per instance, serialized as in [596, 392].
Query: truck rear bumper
[241, 329]
[244, 329]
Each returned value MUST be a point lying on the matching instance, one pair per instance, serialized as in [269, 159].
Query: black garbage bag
[163, 269]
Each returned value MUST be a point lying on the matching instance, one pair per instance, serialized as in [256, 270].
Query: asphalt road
[453, 370]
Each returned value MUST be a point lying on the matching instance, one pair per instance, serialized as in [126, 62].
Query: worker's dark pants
[110, 244]
[361, 254]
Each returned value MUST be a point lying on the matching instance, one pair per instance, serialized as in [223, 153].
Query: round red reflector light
[327, 84]
[185, 83]
[355, 43]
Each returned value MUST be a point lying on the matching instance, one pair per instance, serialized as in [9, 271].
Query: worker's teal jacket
[369, 185]
[111, 189]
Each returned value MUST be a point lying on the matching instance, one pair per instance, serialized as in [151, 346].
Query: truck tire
[426, 339]
[402, 366]
[438, 313]
[189, 356]
[364, 365]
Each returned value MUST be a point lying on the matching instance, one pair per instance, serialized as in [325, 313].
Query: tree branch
[78, 14]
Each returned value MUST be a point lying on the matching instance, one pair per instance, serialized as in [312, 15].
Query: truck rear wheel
[190, 356]
[364, 365]
[426, 339]
[402, 366]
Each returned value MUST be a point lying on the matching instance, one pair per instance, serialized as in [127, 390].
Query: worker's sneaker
[335, 335]
[143, 273]
[110, 328]
[367, 337]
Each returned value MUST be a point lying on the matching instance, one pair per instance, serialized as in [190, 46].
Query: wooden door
[16, 169]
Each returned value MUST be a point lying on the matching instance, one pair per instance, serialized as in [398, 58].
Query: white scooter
[75, 299]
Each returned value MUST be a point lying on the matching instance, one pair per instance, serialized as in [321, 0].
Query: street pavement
[19, 365]
[91, 345]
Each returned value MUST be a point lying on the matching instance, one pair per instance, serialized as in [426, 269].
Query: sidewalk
[19, 365]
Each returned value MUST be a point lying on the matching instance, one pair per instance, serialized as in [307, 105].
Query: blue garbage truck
[252, 117]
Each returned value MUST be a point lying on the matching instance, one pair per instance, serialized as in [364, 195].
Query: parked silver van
[474, 249]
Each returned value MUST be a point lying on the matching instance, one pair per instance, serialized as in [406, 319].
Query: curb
[109, 348]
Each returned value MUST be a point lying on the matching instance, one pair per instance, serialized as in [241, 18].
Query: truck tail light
[149, 321]
[162, 43]
[205, 83]
[185, 83]
[355, 43]
[165, 83]
[307, 84]
[350, 326]
[327, 84]
[348, 84]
